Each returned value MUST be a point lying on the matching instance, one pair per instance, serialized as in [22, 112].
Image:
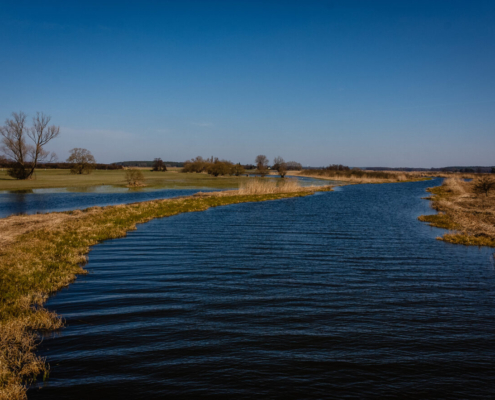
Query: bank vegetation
[466, 209]
[356, 175]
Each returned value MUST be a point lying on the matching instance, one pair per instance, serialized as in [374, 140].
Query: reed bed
[470, 217]
[41, 254]
[360, 176]
[270, 186]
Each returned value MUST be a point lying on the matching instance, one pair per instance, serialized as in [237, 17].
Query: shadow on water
[338, 295]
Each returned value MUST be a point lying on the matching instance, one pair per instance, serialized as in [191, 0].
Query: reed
[41, 254]
[270, 186]
[360, 176]
[469, 217]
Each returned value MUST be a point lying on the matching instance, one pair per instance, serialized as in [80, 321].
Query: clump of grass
[38, 260]
[268, 186]
[469, 215]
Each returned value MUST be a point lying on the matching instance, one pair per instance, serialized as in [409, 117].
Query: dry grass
[470, 217]
[269, 186]
[41, 254]
[359, 176]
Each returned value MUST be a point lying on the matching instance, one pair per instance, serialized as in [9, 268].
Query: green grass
[62, 178]
[441, 220]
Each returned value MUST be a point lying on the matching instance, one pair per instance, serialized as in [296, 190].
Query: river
[339, 295]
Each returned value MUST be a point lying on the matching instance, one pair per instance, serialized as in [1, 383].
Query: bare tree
[159, 165]
[134, 178]
[262, 164]
[280, 165]
[484, 185]
[26, 156]
[293, 166]
[82, 161]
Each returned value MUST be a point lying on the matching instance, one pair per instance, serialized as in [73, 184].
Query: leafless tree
[159, 165]
[262, 164]
[483, 185]
[134, 178]
[294, 166]
[82, 161]
[280, 165]
[26, 156]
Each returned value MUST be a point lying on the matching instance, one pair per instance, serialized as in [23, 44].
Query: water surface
[71, 198]
[338, 295]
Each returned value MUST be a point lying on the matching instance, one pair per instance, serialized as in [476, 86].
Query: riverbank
[44, 253]
[469, 217]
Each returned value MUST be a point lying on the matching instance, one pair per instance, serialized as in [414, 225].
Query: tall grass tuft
[269, 186]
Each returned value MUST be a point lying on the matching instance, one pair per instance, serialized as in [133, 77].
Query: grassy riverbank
[41, 254]
[62, 178]
[469, 217]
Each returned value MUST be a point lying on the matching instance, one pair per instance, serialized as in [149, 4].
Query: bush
[238, 170]
[220, 168]
[483, 185]
[134, 177]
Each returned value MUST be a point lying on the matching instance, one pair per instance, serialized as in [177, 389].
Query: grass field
[58, 178]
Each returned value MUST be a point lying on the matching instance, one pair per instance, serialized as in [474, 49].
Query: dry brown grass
[358, 176]
[269, 186]
[41, 254]
[470, 217]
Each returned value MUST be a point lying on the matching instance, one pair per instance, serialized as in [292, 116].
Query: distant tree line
[337, 167]
[148, 164]
[216, 167]
[213, 166]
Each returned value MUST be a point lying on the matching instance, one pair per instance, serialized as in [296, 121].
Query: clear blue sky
[368, 83]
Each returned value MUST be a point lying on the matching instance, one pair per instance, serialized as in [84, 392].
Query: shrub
[237, 170]
[134, 178]
[483, 185]
[220, 168]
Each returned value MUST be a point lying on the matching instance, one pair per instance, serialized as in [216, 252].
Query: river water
[340, 295]
[65, 199]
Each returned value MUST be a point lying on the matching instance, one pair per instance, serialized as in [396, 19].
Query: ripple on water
[340, 295]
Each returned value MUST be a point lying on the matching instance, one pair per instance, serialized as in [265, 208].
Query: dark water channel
[341, 295]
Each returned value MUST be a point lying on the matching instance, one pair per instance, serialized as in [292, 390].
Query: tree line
[216, 167]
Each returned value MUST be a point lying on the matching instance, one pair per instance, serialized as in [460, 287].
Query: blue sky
[368, 83]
